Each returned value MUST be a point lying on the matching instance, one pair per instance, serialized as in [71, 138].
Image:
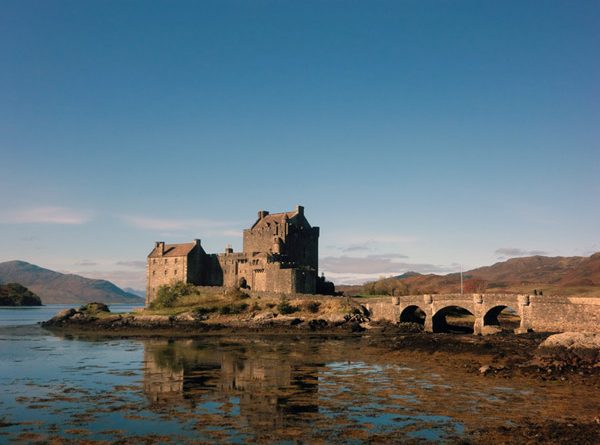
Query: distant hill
[54, 287]
[139, 293]
[13, 294]
[552, 275]
[408, 275]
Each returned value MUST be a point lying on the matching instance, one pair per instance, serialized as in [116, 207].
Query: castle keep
[280, 254]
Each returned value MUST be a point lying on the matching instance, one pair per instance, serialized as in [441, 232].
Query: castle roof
[273, 218]
[172, 250]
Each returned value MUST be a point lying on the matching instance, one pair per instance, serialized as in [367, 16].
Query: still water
[246, 389]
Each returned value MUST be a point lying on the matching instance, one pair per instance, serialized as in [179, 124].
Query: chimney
[262, 214]
[300, 210]
[160, 246]
[197, 242]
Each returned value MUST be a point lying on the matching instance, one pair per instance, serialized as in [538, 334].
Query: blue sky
[419, 135]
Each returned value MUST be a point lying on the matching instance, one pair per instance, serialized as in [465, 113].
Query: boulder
[572, 347]
[264, 316]
[63, 315]
[94, 308]
[410, 327]
[490, 330]
[317, 324]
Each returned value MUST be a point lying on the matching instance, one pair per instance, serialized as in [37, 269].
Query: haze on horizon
[418, 135]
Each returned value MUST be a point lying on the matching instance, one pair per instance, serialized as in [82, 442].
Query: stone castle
[280, 254]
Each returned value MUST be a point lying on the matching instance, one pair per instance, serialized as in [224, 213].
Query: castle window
[175, 272]
[175, 260]
[166, 271]
[153, 272]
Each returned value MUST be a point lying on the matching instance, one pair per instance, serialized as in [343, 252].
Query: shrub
[236, 294]
[313, 307]
[167, 296]
[233, 309]
[205, 310]
[284, 307]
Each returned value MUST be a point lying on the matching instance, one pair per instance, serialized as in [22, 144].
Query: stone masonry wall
[164, 271]
[537, 313]
[564, 314]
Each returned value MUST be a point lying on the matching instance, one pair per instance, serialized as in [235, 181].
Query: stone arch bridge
[536, 312]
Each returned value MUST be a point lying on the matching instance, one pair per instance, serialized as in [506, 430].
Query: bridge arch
[413, 314]
[502, 317]
[463, 320]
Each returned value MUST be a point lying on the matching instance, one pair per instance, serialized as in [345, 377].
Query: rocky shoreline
[97, 318]
[546, 354]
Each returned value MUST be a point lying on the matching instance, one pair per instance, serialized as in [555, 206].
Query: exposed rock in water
[63, 315]
[85, 313]
[572, 348]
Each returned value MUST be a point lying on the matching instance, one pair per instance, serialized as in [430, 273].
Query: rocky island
[14, 294]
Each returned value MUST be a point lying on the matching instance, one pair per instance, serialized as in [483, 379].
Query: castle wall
[280, 255]
[262, 239]
[305, 281]
[165, 271]
[302, 246]
[259, 280]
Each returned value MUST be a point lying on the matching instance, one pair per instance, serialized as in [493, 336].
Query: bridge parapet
[539, 313]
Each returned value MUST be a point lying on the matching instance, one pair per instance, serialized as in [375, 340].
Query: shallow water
[239, 390]
[19, 316]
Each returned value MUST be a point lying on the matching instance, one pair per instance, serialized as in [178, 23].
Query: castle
[280, 254]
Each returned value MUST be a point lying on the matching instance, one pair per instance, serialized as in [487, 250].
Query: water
[19, 316]
[245, 389]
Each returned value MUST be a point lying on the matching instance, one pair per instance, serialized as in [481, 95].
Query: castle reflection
[328, 390]
[272, 383]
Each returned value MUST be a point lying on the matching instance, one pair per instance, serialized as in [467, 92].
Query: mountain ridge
[55, 287]
[576, 275]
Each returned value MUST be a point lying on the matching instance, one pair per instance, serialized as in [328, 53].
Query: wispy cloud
[29, 239]
[45, 215]
[86, 263]
[387, 256]
[357, 243]
[132, 264]
[383, 264]
[356, 248]
[206, 226]
[505, 252]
